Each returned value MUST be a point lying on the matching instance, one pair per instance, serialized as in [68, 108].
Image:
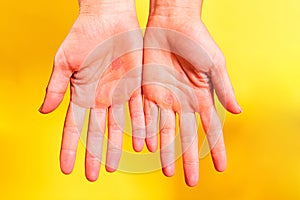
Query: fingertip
[152, 144]
[92, 179]
[191, 173]
[92, 176]
[151, 119]
[92, 168]
[51, 102]
[234, 108]
[138, 144]
[192, 179]
[41, 109]
[66, 168]
[66, 172]
[239, 109]
[169, 171]
[67, 161]
[138, 139]
[110, 169]
[220, 163]
[220, 168]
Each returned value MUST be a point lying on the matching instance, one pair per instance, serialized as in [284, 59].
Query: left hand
[182, 67]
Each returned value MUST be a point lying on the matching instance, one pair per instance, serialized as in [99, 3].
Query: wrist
[107, 6]
[175, 8]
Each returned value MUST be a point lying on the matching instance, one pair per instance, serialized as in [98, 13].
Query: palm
[89, 54]
[190, 65]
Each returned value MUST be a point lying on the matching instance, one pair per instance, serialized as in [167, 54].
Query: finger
[57, 85]
[137, 122]
[189, 146]
[213, 129]
[151, 117]
[72, 129]
[223, 87]
[94, 143]
[167, 141]
[115, 137]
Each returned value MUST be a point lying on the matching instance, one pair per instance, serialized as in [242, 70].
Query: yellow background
[261, 41]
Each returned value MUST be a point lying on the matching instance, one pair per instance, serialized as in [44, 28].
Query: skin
[190, 52]
[101, 29]
[201, 68]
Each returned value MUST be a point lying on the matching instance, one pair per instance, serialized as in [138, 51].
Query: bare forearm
[107, 6]
[175, 7]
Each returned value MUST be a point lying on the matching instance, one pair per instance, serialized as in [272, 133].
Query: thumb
[57, 87]
[224, 90]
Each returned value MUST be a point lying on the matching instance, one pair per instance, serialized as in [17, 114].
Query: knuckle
[191, 162]
[167, 131]
[188, 140]
[114, 149]
[139, 133]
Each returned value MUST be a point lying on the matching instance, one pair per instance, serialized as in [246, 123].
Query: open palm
[182, 68]
[101, 58]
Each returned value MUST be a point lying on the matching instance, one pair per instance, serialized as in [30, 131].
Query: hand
[182, 67]
[101, 58]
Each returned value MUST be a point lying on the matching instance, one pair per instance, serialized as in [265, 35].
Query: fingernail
[41, 108]
[240, 109]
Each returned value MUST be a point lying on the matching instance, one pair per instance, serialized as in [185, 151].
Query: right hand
[101, 58]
